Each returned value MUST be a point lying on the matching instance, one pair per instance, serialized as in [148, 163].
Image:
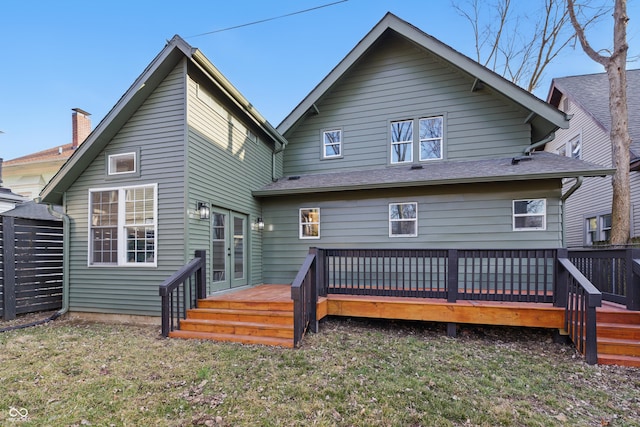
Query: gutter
[563, 199]
[527, 151]
[65, 274]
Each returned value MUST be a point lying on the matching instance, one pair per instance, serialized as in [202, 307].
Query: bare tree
[615, 64]
[518, 46]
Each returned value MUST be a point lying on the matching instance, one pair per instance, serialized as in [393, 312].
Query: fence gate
[30, 266]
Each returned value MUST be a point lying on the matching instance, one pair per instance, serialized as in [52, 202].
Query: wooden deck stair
[255, 316]
[618, 333]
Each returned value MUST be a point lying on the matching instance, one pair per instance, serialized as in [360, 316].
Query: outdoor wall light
[203, 209]
[260, 223]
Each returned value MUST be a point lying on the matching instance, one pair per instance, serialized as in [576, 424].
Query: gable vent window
[123, 163]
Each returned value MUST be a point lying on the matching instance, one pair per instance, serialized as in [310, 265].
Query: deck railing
[582, 298]
[304, 295]
[181, 291]
[492, 275]
[613, 271]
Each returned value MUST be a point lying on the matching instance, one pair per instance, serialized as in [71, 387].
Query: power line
[268, 19]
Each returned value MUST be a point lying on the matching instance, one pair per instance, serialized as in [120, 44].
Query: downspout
[274, 178]
[65, 272]
[548, 138]
[563, 198]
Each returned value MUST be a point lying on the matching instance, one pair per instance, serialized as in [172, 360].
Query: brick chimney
[81, 124]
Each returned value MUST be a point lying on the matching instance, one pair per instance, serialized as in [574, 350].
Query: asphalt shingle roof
[541, 165]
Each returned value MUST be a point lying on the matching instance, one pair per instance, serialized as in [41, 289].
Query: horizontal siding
[360, 220]
[157, 129]
[398, 81]
[225, 167]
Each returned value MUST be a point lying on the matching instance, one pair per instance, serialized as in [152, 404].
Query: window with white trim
[427, 143]
[402, 141]
[332, 144]
[403, 219]
[309, 223]
[123, 226]
[597, 229]
[529, 215]
[574, 147]
[431, 138]
[122, 163]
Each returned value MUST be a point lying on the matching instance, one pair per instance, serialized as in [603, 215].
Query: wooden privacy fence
[31, 267]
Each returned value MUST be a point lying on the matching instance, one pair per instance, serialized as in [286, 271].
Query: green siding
[224, 168]
[397, 81]
[463, 216]
[157, 129]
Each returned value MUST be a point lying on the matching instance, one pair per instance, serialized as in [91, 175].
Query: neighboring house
[9, 199]
[586, 99]
[405, 144]
[27, 175]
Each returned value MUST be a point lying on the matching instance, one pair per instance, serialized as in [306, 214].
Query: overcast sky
[85, 54]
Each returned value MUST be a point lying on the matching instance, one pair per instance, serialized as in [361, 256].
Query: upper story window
[332, 144]
[431, 138]
[122, 226]
[403, 219]
[309, 223]
[598, 229]
[574, 147]
[529, 215]
[429, 143]
[402, 141]
[122, 163]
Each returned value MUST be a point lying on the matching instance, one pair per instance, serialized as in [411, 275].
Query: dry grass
[354, 372]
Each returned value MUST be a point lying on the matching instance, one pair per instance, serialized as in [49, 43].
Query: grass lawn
[353, 373]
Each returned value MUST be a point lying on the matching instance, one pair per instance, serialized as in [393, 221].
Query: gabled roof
[544, 118]
[540, 165]
[591, 93]
[175, 50]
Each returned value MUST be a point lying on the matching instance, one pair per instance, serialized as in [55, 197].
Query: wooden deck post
[315, 280]
[201, 277]
[633, 280]
[452, 275]
[9, 259]
[561, 276]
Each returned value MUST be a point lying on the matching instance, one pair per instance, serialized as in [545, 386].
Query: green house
[405, 144]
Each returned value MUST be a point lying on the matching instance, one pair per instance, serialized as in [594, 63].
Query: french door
[228, 249]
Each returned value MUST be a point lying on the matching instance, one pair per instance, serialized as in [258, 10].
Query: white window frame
[524, 215]
[302, 224]
[600, 231]
[331, 143]
[408, 142]
[121, 227]
[440, 138]
[113, 158]
[394, 220]
[575, 144]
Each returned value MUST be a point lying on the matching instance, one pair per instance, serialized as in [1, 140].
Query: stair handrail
[304, 296]
[175, 304]
[580, 311]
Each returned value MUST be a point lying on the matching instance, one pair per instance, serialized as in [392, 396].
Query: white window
[122, 163]
[123, 225]
[598, 229]
[428, 143]
[403, 219]
[562, 150]
[574, 147]
[310, 223]
[529, 215]
[402, 141]
[332, 144]
[431, 138]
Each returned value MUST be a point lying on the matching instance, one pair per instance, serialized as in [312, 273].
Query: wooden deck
[264, 315]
